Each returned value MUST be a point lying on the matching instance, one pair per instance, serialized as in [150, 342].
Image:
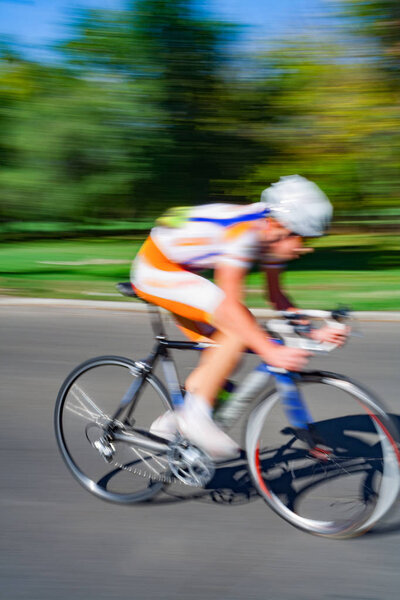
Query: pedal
[315, 444]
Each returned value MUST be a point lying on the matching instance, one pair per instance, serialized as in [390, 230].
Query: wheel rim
[363, 472]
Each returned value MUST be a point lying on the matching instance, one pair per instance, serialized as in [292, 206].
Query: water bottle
[224, 395]
[230, 410]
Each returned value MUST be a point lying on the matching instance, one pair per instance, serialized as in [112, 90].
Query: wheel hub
[102, 444]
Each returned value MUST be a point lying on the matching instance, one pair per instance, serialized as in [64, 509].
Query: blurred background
[111, 111]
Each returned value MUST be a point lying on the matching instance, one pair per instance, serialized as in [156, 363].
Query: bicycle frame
[144, 368]
[295, 408]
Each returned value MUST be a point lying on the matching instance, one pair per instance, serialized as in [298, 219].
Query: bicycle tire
[78, 416]
[365, 454]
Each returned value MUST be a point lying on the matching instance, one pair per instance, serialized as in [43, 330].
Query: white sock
[193, 404]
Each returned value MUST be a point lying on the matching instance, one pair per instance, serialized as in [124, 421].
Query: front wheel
[350, 482]
[112, 470]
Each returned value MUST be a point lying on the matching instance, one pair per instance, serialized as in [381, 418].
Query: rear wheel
[349, 481]
[113, 470]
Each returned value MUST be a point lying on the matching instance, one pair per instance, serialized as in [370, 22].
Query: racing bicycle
[320, 449]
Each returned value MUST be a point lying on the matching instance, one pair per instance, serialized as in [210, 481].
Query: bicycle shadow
[232, 484]
[294, 475]
[391, 523]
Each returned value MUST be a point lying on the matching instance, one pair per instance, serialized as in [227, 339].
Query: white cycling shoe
[165, 426]
[196, 424]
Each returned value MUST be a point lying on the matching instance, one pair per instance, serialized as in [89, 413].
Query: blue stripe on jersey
[189, 262]
[233, 220]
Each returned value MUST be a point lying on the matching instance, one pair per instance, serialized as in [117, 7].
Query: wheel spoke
[146, 459]
[81, 409]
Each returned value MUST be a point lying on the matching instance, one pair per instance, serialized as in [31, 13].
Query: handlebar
[338, 314]
[291, 328]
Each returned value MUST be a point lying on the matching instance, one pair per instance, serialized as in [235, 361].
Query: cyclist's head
[299, 205]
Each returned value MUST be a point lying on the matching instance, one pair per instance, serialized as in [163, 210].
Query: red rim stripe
[258, 467]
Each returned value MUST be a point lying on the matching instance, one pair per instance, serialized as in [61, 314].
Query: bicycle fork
[295, 408]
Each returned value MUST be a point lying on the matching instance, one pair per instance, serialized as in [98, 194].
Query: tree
[333, 120]
[379, 20]
[170, 60]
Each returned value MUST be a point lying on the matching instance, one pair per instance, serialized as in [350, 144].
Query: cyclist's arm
[281, 301]
[278, 298]
[233, 317]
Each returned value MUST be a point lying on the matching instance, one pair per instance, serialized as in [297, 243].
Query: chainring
[189, 464]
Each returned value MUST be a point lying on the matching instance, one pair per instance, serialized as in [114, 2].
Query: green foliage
[150, 107]
[168, 61]
[333, 121]
[378, 20]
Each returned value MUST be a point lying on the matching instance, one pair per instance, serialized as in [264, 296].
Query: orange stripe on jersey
[235, 231]
[156, 258]
[193, 241]
[190, 312]
[169, 284]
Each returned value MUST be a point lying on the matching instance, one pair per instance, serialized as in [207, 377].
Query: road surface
[59, 542]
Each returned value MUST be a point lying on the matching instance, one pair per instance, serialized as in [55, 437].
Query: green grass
[361, 271]
[37, 269]
[359, 290]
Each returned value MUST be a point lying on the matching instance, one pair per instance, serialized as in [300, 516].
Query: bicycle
[317, 460]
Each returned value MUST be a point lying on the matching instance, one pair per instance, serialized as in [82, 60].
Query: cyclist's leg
[193, 297]
[202, 386]
[215, 366]
[216, 362]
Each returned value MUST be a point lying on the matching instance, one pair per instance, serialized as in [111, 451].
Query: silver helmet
[299, 205]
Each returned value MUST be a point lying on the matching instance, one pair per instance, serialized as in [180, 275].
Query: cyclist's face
[283, 243]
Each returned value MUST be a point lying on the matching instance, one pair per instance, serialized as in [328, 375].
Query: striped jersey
[202, 237]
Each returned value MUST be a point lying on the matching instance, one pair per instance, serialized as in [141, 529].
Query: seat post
[156, 321]
[168, 364]
[127, 289]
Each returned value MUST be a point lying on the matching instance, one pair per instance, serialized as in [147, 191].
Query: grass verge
[361, 271]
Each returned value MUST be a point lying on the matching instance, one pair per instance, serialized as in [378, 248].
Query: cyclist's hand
[332, 335]
[291, 359]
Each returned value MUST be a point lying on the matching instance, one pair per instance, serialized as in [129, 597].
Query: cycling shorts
[190, 297]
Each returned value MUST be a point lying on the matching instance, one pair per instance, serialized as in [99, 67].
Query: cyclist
[227, 238]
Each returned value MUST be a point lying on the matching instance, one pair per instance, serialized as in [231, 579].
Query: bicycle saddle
[127, 289]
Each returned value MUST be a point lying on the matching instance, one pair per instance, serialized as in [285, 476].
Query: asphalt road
[59, 542]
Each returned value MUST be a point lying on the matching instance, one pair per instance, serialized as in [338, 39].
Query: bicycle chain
[145, 474]
[190, 479]
[134, 470]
